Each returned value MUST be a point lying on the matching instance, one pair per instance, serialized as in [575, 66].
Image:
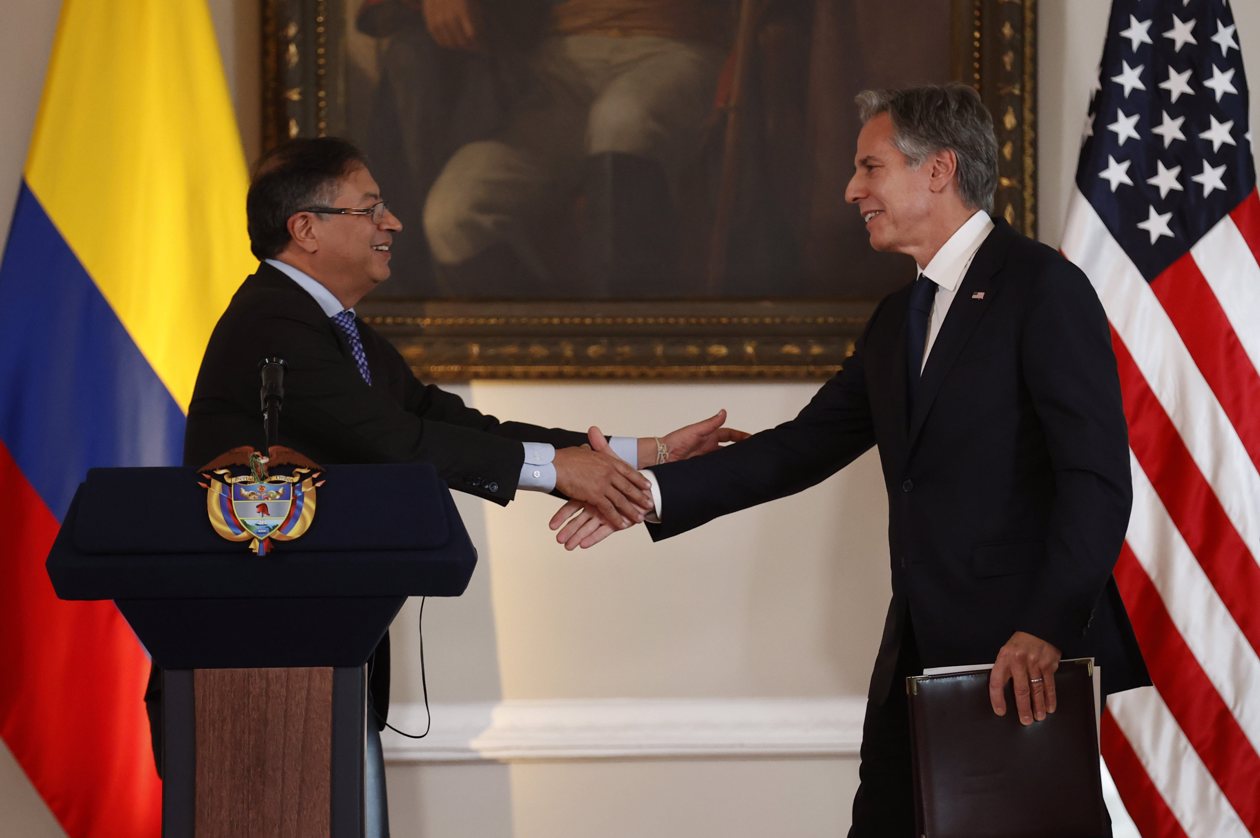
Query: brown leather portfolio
[978, 775]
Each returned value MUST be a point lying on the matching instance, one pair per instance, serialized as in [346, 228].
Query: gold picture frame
[766, 327]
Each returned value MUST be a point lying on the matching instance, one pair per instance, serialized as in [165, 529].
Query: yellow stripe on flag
[137, 160]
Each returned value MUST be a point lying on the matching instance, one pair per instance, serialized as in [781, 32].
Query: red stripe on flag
[1188, 497]
[1198, 317]
[1188, 693]
[1146, 806]
[71, 706]
[1246, 218]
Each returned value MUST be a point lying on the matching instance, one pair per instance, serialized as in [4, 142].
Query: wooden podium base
[264, 753]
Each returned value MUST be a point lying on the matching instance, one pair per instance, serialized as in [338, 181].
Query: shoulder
[268, 293]
[1038, 268]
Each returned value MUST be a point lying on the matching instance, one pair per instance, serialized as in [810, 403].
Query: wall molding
[624, 729]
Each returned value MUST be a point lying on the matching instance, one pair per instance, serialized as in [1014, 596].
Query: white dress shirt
[947, 269]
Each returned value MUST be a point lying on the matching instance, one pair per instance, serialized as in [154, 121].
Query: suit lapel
[974, 298]
[304, 305]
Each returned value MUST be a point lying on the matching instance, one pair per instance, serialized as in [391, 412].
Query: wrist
[652, 451]
[645, 452]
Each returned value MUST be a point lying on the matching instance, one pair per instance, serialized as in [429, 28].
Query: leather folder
[978, 775]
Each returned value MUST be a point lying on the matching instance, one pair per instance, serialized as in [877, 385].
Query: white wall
[782, 603]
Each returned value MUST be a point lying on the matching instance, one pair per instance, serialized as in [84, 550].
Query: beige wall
[781, 603]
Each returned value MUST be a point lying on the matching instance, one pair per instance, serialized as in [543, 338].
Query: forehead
[875, 140]
[358, 185]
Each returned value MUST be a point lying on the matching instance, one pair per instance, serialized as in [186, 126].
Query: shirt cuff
[653, 517]
[538, 472]
[625, 447]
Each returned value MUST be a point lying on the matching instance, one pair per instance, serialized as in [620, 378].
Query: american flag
[1165, 220]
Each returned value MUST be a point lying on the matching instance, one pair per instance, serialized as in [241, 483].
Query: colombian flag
[127, 241]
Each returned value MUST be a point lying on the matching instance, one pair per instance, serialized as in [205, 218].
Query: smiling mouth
[382, 248]
[867, 216]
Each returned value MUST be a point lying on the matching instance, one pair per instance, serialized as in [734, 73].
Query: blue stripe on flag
[76, 388]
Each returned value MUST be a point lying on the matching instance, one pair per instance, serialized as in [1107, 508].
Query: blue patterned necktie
[346, 323]
[920, 312]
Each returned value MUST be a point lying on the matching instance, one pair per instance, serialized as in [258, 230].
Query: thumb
[597, 439]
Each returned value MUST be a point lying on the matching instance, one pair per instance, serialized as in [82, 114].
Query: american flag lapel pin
[977, 295]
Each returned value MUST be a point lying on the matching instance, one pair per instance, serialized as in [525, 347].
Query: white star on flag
[1165, 179]
[1212, 177]
[1219, 134]
[1221, 82]
[1170, 129]
[1129, 78]
[1123, 126]
[1177, 84]
[1137, 32]
[1224, 38]
[1180, 33]
[1157, 225]
[1116, 173]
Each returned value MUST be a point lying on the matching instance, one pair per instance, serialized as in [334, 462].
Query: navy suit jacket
[1008, 485]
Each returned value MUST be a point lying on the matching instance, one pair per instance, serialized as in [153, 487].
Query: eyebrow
[867, 160]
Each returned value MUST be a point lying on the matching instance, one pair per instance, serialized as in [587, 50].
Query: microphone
[271, 397]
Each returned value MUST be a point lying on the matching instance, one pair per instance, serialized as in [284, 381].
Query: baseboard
[619, 729]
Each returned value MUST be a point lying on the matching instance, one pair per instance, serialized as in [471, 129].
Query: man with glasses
[323, 234]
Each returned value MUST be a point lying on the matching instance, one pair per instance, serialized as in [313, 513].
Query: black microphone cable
[424, 685]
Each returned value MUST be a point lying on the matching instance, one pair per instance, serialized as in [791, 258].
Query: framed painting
[633, 188]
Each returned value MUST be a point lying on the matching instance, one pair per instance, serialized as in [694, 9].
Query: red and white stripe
[1185, 755]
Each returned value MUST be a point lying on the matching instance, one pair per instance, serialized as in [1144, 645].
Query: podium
[265, 696]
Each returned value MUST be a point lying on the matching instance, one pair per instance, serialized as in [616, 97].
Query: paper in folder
[978, 775]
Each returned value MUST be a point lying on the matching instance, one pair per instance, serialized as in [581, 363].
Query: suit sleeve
[828, 434]
[1070, 372]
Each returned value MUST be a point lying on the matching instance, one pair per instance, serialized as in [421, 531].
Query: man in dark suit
[323, 234]
[990, 389]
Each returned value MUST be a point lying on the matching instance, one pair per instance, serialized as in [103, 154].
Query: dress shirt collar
[950, 264]
[331, 306]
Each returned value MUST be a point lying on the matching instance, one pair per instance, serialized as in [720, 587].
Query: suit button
[492, 487]
[907, 485]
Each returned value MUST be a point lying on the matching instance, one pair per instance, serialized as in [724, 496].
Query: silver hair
[930, 118]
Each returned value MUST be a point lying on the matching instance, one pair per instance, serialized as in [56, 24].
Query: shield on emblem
[262, 507]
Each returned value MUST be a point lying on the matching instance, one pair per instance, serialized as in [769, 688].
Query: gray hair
[928, 119]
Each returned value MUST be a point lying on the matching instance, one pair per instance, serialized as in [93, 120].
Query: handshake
[607, 494]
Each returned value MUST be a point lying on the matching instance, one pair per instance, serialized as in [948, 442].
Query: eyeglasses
[376, 211]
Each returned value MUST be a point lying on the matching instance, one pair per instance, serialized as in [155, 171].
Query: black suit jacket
[332, 416]
[1008, 486]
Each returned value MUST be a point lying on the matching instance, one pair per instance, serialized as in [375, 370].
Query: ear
[302, 232]
[943, 167]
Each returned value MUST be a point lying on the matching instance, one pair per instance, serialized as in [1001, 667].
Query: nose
[853, 191]
[391, 221]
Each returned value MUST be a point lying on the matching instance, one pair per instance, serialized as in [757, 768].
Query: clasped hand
[585, 525]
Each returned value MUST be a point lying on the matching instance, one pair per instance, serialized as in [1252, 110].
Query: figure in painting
[619, 95]
[607, 149]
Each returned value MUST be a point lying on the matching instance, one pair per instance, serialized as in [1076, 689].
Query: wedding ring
[1035, 680]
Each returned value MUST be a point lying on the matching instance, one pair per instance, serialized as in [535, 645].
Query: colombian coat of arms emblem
[260, 507]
